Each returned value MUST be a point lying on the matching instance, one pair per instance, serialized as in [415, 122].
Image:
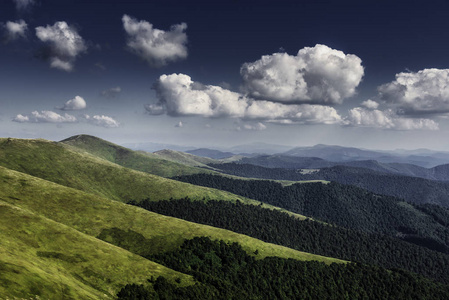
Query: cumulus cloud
[156, 46]
[15, 30]
[23, 5]
[65, 44]
[102, 120]
[422, 92]
[76, 103]
[387, 119]
[179, 95]
[21, 118]
[319, 75]
[370, 104]
[45, 116]
[112, 92]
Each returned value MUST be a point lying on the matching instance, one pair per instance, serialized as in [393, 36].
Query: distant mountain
[427, 158]
[334, 153]
[211, 153]
[439, 173]
[259, 148]
[412, 189]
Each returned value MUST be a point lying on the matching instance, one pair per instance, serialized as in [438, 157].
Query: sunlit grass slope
[145, 162]
[185, 158]
[40, 257]
[93, 215]
[60, 164]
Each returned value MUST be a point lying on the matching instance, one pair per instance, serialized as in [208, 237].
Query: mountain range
[84, 218]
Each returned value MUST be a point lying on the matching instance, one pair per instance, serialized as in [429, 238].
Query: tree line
[226, 271]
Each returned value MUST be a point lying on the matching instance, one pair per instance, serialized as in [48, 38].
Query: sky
[370, 74]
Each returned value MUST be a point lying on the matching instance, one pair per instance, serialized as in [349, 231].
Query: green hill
[136, 160]
[78, 169]
[92, 215]
[61, 164]
[193, 160]
[185, 158]
[40, 257]
[48, 246]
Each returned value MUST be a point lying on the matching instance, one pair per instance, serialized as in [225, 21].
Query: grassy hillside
[140, 161]
[193, 160]
[60, 164]
[95, 214]
[40, 257]
[185, 158]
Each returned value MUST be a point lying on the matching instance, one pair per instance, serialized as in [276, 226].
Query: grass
[185, 158]
[44, 258]
[92, 214]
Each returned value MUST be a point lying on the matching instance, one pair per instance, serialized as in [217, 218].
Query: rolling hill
[50, 247]
[137, 160]
[62, 164]
[425, 159]
[66, 233]
[185, 158]
[41, 257]
[412, 189]
[439, 173]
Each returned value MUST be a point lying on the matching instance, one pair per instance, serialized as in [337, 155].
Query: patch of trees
[309, 236]
[226, 271]
[344, 205]
[413, 189]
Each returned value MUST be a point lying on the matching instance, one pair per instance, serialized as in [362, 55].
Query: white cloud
[65, 44]
[76, 103]
[15, 30]
[292, 114]
[180, 96]
[102, 120]
[179, 124]
[317, 74]
[21, 118]
[387, 119]
[56, 63]
[258, 126]
[156, 46]
[423, 92]
[370, 104]
[112, 92]
[22, 5]
[45, 116]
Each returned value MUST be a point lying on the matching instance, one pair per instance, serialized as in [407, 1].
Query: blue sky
[370, 74]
